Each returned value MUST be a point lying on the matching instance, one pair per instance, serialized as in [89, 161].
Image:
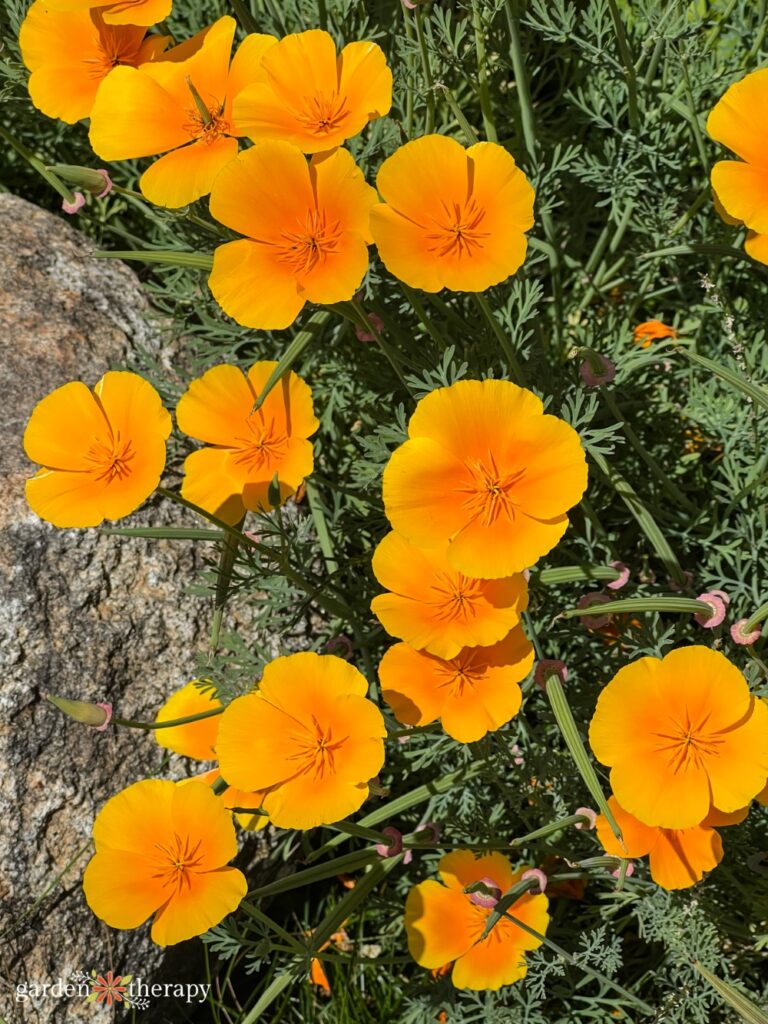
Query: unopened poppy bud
[538, 875]
[717, 614]
[77, 203]
[740, 636]
[596, 370]
[98, 716]
[549, 667]
[484, 893]
[590, 815]
[93, 180]
[594, 621]
[623, 571]
[395, 847]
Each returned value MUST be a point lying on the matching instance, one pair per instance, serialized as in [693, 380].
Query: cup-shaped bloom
[473, 693]
[444, 924]
[311, 96]
[193, 739]
[741, 186]
[180, 106]
[677, 858]
[70, 53]
[486, 472]
[245, 449]
[681, 734]
[124, 12]
[435, 607]
[308, 736]
[307, 228]
[162, 848]
[102, 451]
[452, 217]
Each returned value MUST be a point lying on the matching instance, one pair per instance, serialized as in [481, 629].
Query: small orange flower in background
[486, 472]
[652, 330]
[741, 186]
[71, 53]
[102, 451]
[247, 449]
[444, 924]
[681, 734]
[181, 107]
[474, 693]
[313, 98]
[162, 848]
[677, 858]
[452, 217]
[436, 608]
[309, 736]
[194, 739]
[118, 12]
[307, 228]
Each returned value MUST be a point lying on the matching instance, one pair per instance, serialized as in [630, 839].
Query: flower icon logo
[109, 989]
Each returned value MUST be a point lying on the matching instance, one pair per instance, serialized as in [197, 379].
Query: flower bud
[715, 600]
[93, 180]
[394, 847]
[596, 369]
[98, 716]
[547, 667]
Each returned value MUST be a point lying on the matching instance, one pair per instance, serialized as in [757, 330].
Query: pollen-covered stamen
[178, 860]
[264, 445]
[316, 749]
[687, 745]
[491, 493]
[112, 459]
[460, 674]
[324, 114]
[206, 121]
[116, 47]
[457, 232]
[455, 595]
[315, 240]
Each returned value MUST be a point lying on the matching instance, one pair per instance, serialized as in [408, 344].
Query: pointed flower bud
[98, 716]
[90, 179]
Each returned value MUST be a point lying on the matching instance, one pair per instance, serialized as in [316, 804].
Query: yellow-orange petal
[505, 545]
[462, 867]
[253, 287]
[209, 484]
[637, 838]
[719, 819]
[680, 857]
[756, 246]
[499, 959]
[192, 911]
[737, 773]
[743, 191]
[133, 116]
[246, 69]
[127, 12]
[632, 696]
[199, 815]
[136, 819]
[62, 427]
[215, 406]
[120, 889]
[289, 402]
[366, 79]
[735, 120]
[186, 174]
[441, 924]
[195, 739]
[65, 499]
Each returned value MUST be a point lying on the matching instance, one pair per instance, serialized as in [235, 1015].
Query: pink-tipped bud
[378, 325]
[590, 815]
[96, 181]
[77, 204]
[717, 613]
[740, 636]
[549, 667]
[597, 370]
[107, 186]
[395, 846]
[594, 621]
[488, 896]
[98, 716]
[623, 571]
[628, 873]
[540, 877]
[341, 646]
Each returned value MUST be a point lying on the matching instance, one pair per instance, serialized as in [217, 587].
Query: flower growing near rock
[444, 923]
[245, 450]
[70, 53]
[181, 107]
[436, 608]
[162, 848]
[102, 451]
[193, 739]
[307, 228]
[309, 737]
[312, 97]
[124, 12]
[452, 217]
[487, 473]
[681, 734]
[473, 693]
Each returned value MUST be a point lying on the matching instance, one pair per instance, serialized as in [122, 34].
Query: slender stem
[421, 313]
[229, 548]
[349, 828]
[469, 132]
[385, 349]
[521, 79]
[244, 16]
[482, 74]
[427, 70]
[500, 335]
[629, 65]
[550, 829]
[131, 723]
[36, 164]
[409, 85]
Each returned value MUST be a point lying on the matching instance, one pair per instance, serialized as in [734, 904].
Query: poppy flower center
[205, 120]
[461, 674]
[114, 48]
[688, 746]
[457, 232]
[111, 460]
[178, 860]
[455, 596]
[324, 114]
[315, 241]
[265, 445]
[316, 749]
[490, 494]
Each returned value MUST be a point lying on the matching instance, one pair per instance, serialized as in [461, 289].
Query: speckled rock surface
[82, 615]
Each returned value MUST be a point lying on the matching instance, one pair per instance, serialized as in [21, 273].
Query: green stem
[421, 313]
[630, 605]
[500, 335]
[385, 349]
[483, 89]
[470, 134]
[38, 165]
[754, 620]
[629, 66]
[521, 78]
[229, 548]
[427, 70]
[131, 723]
[349, 828]
[550, 829]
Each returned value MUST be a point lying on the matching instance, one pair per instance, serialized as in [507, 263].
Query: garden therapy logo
[108, 989]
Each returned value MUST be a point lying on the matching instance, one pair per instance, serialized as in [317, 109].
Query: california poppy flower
[308, 736]
[71, 53]
[681, 734]
[313, 98]
[162, 848]
[677, 858]
[486, 472]
[102, 451]
[195, 739]
[307, 228]
[473, 693]
[180, 106]
[244, 803]
[452, 217]
[245, 450]
[118, 12]
[741, 186]
[443, 923]
[652, 330]
[436, 608]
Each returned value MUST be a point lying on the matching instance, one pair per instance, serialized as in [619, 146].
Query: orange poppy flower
[118, 12]
[102, 451]
[163, 849]
[307, 228]
[650, 331]
[741, 186]
[677, 858]
[486, 472]
[436, 608]
[241, 798]
[308, 736]
[680, 734]
[248, 449]
[71, 53]
[452, 217]
[474, 693]
[313, 98]
[195, 739]
[443, 923]
[182, 107]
